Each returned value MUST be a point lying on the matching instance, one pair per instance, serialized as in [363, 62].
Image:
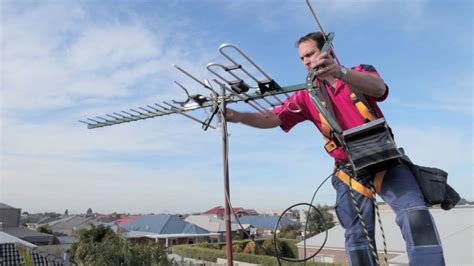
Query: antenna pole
[225, 153]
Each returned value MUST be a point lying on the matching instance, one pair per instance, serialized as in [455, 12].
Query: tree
[45, 229]
[315, 221]
[269, 247]
[294, 214]
[291, 231]
[100, 245]
[237, 247]
[252, 248]
[26, 254]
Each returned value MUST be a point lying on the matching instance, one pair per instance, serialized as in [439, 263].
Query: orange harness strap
[330, 145]
[363, 109]
[358, 186]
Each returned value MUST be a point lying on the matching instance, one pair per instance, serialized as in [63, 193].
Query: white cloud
[112, 46]
[66, 60]
[55, 56]
[61, 139]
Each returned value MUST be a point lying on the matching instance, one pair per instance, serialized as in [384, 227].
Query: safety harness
[348, 174]
[332, 143]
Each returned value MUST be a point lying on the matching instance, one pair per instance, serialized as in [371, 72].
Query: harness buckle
[330, 146]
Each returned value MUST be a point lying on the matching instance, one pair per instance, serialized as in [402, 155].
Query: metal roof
[455, 228]
[22, 232]
[70, 223]
[66, 239]
[162, 224]
[7, 238]
[210, 223]
[194, 229]
[138, 234]
[219, 210]
[268, 222]
[456, 248]
[5, 206]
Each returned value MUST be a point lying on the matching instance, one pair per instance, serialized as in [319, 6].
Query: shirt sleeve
[369, 69]
[290, 118]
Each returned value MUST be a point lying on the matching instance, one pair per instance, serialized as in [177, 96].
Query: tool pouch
[371, 147]
[434, 186]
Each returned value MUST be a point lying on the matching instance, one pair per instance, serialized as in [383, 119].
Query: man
[398, 187]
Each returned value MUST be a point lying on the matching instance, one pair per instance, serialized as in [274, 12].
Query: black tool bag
[433, 184]
[371, 147]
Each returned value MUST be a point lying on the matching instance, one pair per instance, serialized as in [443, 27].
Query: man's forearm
[365, 83]
[258, 120]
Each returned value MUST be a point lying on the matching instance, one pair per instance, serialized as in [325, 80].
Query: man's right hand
[265, 119]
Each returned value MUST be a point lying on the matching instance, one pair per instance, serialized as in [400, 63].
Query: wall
[10, 217]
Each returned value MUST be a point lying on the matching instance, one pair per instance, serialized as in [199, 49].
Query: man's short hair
[318, 37]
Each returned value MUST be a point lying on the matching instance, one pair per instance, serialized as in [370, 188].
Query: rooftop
[455, 229]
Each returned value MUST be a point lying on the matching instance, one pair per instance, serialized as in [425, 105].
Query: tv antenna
[237, 82]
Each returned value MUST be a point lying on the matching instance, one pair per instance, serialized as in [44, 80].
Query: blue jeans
[400, 190]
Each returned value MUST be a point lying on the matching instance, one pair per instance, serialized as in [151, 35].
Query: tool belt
[434, 185]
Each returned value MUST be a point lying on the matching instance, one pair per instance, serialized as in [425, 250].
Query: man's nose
[307, 63]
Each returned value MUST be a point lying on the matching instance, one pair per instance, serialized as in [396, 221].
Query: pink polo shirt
[347, 114]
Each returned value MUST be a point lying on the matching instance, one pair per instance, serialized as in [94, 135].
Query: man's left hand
[325, 66]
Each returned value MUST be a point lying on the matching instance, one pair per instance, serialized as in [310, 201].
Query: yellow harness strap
[325, 128]
[358, 186]
[363, 110]
[330, 145]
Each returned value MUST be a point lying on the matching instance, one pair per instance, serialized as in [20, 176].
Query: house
[213, 224]
[166, 230]
[265, 224]
[455, 228]
[10, 224]
[68, 226]
[11, 249]
[35, 221]
[219, 211]
[125, 220]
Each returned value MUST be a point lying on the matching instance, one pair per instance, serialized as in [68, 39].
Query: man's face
[308, 51]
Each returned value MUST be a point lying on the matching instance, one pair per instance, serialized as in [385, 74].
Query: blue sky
[62, 61]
